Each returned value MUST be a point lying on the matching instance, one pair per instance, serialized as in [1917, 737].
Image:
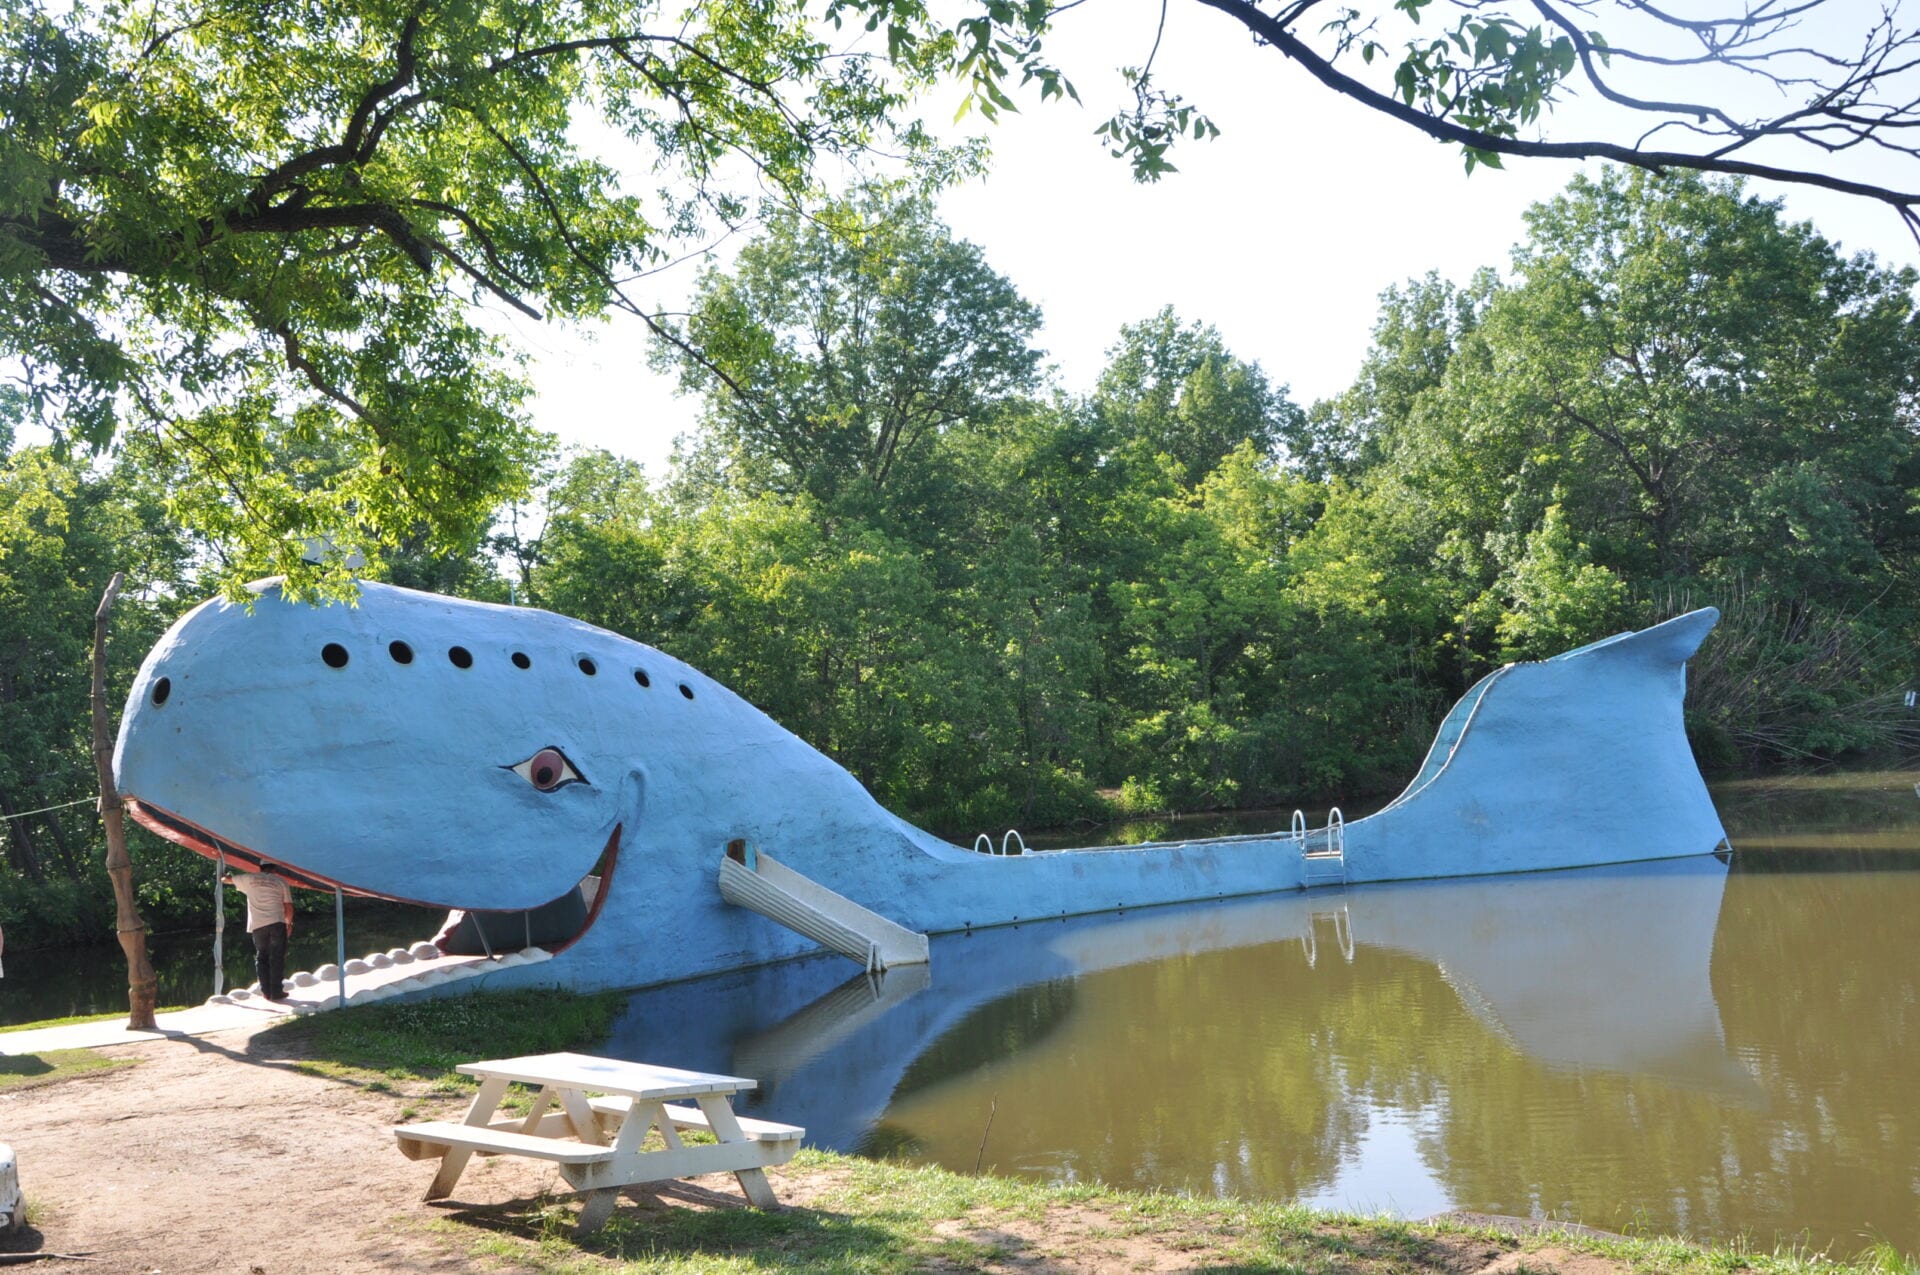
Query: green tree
[1420, 328]
[1204, 627]
[1732, 396]
[1679, 397]
[226, 231]
[63, 533]
[1176, 390]
[1557, 599]
[1709, 393]
[841, 345]
[1727, 376]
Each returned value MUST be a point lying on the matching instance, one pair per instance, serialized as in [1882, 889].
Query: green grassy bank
[30, 1071]
[849, 1214]
[846, 1214]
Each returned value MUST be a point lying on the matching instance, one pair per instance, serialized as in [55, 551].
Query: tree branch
[1265, 26]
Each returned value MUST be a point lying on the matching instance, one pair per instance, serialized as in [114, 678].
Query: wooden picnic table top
[608, 1075]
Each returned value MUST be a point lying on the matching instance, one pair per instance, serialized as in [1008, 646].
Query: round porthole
[640, 676]
[520, 660]
[587, 666]
[334, 654]
[460, 656]
[686, 690]
[401, 652]
[162, 689]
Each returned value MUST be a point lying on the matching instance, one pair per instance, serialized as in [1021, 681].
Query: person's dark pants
[270, 958]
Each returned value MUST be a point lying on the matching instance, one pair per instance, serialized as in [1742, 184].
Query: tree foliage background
[246, 310]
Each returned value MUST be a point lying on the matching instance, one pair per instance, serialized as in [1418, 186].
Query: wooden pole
[141, 984]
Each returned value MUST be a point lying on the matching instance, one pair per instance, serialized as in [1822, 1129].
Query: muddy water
[1685, 1046]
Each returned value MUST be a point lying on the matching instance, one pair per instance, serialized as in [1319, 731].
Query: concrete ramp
[754, 881]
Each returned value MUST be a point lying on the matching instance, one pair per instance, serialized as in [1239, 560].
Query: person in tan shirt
[269, 924]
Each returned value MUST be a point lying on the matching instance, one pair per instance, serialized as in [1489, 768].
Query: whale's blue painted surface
[396, 778]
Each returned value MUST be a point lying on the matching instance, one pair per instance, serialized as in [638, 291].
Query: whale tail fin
[1578, 759]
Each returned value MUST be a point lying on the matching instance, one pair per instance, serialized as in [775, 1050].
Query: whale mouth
[591, 891]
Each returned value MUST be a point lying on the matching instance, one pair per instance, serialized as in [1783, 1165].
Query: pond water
[1685, 1046]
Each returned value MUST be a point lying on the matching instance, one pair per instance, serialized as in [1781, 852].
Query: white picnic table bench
[591, 1117]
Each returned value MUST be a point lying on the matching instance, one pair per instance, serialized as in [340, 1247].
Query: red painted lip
[184, 832]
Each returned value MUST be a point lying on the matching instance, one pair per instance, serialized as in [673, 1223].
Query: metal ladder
[1323, 855]
[1010, 843]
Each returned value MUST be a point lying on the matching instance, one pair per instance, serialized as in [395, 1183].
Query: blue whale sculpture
[483, 757]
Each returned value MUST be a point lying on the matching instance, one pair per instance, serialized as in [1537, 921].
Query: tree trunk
[23, 855]
[132, 931]
[68, 864]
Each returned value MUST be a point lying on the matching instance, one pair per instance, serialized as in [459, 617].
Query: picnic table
[591, 1118]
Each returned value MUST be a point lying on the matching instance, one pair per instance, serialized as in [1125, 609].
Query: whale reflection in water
[1604, 969]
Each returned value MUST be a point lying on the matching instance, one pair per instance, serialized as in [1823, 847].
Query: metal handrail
[983, 844]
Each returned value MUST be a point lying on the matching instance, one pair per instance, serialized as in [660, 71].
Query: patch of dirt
[1550, 1261]
[1073, 1238]
[211, 1157]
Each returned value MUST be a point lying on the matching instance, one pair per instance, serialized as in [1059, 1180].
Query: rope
[84, 801]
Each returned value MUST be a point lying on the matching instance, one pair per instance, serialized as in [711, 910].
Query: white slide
[760, 884]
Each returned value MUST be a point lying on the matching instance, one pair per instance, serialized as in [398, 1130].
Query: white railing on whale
[1447, 740]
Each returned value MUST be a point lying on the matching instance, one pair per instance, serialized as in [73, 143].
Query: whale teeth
[424, 951]
[400, 956]
[379, 960]
[357, 966]
[303, 979]
[327, 973]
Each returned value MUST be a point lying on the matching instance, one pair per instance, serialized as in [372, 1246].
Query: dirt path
[212, 1155]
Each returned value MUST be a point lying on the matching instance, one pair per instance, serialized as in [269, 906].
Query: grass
[81, 1018]
[403, 1041]
[29, 1071]
[882, 1217]
[879, 1217]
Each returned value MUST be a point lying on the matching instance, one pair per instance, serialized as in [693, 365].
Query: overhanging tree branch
[1271, 30]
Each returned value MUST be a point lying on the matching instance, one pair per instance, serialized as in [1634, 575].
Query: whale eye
[547, 770]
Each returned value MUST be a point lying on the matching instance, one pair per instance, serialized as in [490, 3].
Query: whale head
[409, 746]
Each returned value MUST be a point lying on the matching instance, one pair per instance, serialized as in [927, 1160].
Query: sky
[1281, 233]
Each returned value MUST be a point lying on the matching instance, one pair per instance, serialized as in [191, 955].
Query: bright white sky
[1281, 233]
